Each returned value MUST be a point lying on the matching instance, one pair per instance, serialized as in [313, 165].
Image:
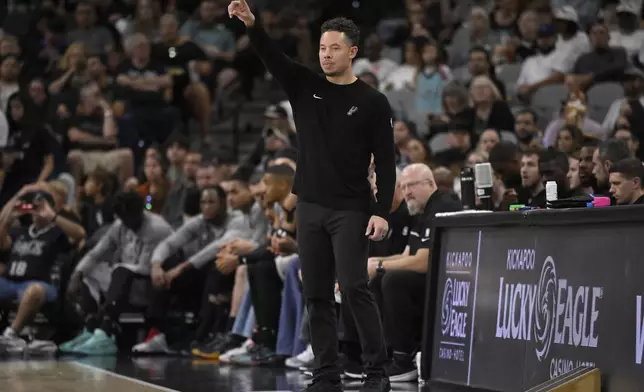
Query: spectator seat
[547, 102]
[600, 97]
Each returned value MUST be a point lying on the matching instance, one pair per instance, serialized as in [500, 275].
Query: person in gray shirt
[132, 239]
[241, 198]
[200, 239]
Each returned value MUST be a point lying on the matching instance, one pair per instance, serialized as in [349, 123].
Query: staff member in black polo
[627, 181]
[403, 276]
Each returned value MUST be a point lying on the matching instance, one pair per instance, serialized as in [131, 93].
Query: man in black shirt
[93, 138]
[340, 122]
[587, 181]
[178, 56]
[607, 154]
[403, 277]
[33, 250]
[147, 86]
[532, 191]
[627, 181]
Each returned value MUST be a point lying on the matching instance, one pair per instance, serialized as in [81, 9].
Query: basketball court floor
[152, 374]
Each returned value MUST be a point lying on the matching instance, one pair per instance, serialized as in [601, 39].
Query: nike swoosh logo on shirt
[316, 96]
[424, 239]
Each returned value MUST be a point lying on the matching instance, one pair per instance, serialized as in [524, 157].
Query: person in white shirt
[373, 61]
[572, 41]
[628, 35]
[402, 78]
[543, 68]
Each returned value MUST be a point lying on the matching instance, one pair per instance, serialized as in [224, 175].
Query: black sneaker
[402, 368]
[353, 370]
[184, 348]
[376, 383]
[324, 386]
[210, 349]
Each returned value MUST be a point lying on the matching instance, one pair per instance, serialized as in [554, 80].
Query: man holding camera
[34, 235]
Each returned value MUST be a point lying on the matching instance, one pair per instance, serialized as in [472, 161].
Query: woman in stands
[490, 108]
[569, 139]
[417, 151]
[156, 186]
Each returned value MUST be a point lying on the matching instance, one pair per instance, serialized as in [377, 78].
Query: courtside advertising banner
[521, 305]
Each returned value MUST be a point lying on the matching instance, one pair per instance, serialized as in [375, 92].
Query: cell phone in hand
[25, 207]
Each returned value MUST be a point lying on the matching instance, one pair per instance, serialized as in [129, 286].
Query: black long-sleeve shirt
[338, 127]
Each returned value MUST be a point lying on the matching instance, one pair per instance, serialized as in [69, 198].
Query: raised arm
[287, 72]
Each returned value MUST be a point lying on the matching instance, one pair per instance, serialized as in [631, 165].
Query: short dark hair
[343, 25]
[591, 143]
[629, 168]
[102, 177]
[281, 171]
[535, 116]
[556, 156]
[625, 129]
[502, 153]
[128, 204]
[532, 150]
[614, 150]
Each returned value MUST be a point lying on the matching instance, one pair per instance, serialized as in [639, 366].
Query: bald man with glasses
[401, 290]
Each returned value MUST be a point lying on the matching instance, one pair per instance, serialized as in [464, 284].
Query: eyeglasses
[414, 184]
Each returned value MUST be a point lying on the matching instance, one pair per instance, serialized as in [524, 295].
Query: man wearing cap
[544, 68]
[277, 135]
[572, 41]
[602, 64]
[629, 36]
[585, 10]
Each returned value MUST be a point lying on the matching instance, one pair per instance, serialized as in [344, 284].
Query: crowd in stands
[115, 201]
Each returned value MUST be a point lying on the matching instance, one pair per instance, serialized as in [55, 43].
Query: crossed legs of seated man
[222, 343]
[98, 335]
[265, 286]
[210, 289]
[32, 295]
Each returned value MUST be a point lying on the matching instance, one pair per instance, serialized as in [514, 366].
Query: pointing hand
[241, 10]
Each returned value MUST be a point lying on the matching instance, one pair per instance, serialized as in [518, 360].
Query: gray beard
[413, 209]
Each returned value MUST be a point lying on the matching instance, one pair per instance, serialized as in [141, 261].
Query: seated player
[34, 245]
[266, 267]
[228, 260]
[200, 238]
[398, 281]
[132, 238]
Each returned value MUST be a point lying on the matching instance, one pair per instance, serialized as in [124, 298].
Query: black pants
[215, 305]
[195, 290]
[350, 339]
[265, 287]
[330, 242]
[403, 296]
[116, 299]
